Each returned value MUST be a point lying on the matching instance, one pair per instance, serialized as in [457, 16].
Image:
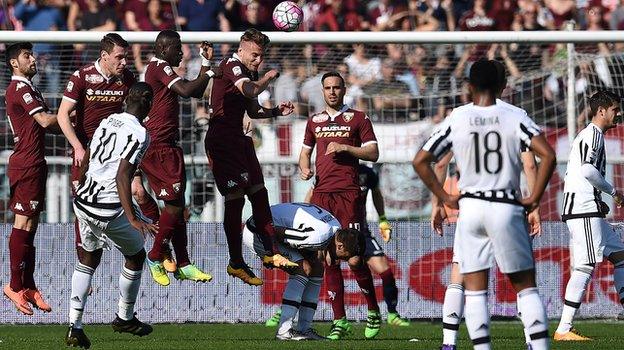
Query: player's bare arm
[64, 121]
[305, 164]
[541, 148]
[368, 152]
[251, 89]
[256, 111]
[195, 88]
[422, 165]
[530, 171]
[125, 173]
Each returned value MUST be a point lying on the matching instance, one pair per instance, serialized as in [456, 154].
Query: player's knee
[255, 188]
[90, 259]
[25, 223]
[235, 194]
[355, 262]
[135, 262]
[522, 280]
[174, 208]
[617, 258]
[378, 264]
[585, 268]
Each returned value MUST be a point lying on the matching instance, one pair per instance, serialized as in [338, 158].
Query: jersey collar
[236, 56]
[25, 80]
[342, 110]
[596, 126]
[98, 68]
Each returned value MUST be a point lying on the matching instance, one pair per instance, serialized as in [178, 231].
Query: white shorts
[96, 234]
[591, 239]
[491, 230]
[253, 242]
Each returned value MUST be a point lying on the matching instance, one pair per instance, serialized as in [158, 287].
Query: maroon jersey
[228, 103]
[162, 122]
[471, 21]
[338, 172]
[96, 97]
[23, 100]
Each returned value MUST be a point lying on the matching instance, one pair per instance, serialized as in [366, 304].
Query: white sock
[527, 336]
[308, 303]
[618, 280]
[291, 300]
[129, 283]
[81, 282]
[534, 319]
[579, 279]
[478, 319]
[452, 312]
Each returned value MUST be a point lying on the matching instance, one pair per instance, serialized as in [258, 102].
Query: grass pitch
[506, 335]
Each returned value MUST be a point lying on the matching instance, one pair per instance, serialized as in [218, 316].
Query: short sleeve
[309, 138]
[440, 141]
[367, 135]
[235, 71]
[591, 147]
[74, 90]
[166, 75]
[134, 150]
[30, 100]
[527, 129]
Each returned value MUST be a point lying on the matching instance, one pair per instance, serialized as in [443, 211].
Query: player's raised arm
[170, 48]
[252, 89]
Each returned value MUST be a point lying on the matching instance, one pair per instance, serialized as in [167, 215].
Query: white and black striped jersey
[580, 198]
[307, 225]
[487, 143]
[120, 136]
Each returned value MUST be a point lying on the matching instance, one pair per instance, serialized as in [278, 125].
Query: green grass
[507, 335]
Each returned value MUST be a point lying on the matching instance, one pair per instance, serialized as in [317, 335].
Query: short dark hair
[352, 239]
[109, 41]
[484, 76]
[139, 93]
[14, 50]
[501, 76]
[604, 99]
[332, 74]
[255, 36]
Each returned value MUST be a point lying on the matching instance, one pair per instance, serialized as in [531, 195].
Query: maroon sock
[150, 209]
[263, 219]
[28, 277]
[232, 217]
[365, 281]
[180, 242]
[166, 225]
[18, 247]
[335, 288]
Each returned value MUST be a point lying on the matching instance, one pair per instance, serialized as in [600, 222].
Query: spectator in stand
[533, 56]
[285, 86]
[43, 15]
[79, 9]
[251, 19]
[595, 22]
[412, 19]
[136, 15]
[161, 14]
[616, 21]
[390, 97]
[503, 12]
[385, 15]
[340, 16]
[442, 11]
[364, 70]
[202, 15]
[561, 10]
[477, 19]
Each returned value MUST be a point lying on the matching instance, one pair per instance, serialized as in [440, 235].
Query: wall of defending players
[420, 258]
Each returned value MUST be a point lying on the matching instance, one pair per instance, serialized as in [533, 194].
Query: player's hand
[451, 201]
[529, 203]
[206, 50]
[286, 108]
[438, 216]
[144, 227]
[385, 229]
[306, 174]
[618, 199]
[335, 147]
[79, 154]
[535, 223]
[272, 74]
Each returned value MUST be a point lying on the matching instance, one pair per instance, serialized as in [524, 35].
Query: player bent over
[591, 236]
[104, 208]
[306, 234]
[28, 117]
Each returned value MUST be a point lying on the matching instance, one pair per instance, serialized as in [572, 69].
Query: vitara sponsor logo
[104, 95]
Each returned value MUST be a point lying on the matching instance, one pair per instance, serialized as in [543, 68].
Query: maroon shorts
[164, 168]
[28, 188]
[234, 163]
[345, 206]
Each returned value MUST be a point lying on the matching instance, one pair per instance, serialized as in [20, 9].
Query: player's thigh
[472, 245]
[373, 249]
[613, 245]
[234, 164]
[509, 234]
[128, 240]
[165, 172]
[91, 234]
[343, 205]
[27, 190]
[586, 240]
